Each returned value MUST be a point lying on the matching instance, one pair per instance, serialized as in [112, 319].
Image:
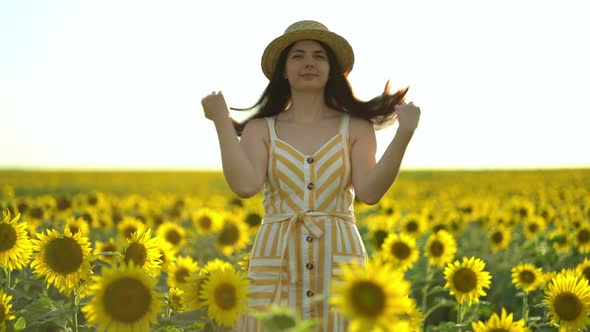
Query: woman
[310, 146]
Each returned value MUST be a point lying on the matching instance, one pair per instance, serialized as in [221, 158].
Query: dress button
[310, 160]
[309, 238]
[309, 293]
[310, 186]
[309, 266]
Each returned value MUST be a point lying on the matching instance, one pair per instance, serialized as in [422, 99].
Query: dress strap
[344, 124]
[270, 121]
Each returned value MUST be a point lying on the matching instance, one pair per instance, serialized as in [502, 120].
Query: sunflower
[15, 246]
[582, 236]
[77, 225]
[499, 238]
[584, 269]
[167, 254]
[172, 233]
[560, 240]
[527, 277]
[103, 247]
[180, 269]
[503, 323]
[64, 260]
[568, 301]
[372, 296]
[440, 248]
[128, 226]
[143, 250]
[379, 227]
[191, 289]
[5, 306]
[232, 236]
[244, 263]
[400, 250]
[414, 317]
[123, 299]
[413, 225]
[533, 226]
[467, 279]
[175, 299]
[206, 220]
[225, 292]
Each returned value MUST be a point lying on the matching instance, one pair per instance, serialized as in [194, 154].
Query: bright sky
[118, 84]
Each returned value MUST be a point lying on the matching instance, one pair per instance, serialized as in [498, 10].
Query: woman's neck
[307, 106]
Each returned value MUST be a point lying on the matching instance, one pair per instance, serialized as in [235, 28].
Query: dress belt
[309, 221]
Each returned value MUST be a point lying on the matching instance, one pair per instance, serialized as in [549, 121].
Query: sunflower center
[229, 234]
[379, 237]
[162, 257]
[181, 274]
[253, 219]
[439, 227]
[7, 236]
[526, 277]
[498, 329]
[63, 203]
[436, 249]
[225, 296]
[400, 250]
[64, 255]
[568, 306]
[367, 298]
[109, 247]
[36, 212]
[205, 222]
[533, 227]
[172, 236]
[127, 300]
[74, 229]
[583, 236]
[412, 227]
[128, 231]
[560, 240]
[497, 237]
[465, 280]
[92, 200]
[136, 253]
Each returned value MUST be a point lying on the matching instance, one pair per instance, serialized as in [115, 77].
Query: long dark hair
[337, 94]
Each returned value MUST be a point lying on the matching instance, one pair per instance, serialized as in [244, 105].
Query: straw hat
[307, 30]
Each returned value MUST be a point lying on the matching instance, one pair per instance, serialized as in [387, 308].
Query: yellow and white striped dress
[308, 229]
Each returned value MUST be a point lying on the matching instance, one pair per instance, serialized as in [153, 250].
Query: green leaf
[20, 324]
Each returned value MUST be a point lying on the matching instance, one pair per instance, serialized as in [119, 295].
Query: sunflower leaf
[20, 324]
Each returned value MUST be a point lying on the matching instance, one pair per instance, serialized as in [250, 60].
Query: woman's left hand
[408, 115]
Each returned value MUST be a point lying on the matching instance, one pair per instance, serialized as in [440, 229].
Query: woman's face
[307, 66]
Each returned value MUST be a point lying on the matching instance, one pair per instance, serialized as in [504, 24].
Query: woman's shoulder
[257, 127]
[360, 127]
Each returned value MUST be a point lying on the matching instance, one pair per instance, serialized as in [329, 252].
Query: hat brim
[339, 45]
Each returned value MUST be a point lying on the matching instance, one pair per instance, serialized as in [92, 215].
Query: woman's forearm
[237, 168]
[385, 172]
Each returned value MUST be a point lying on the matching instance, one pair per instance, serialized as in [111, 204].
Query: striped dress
[307, 230]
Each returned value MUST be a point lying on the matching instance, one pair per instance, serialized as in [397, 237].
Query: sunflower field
[493, 250]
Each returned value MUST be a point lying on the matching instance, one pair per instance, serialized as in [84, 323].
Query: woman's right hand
[214, 106]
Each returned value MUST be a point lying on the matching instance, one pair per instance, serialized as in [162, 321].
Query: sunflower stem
[525, 307]
[460, 317]
[425, 290]
[8, 273]
[76, 303]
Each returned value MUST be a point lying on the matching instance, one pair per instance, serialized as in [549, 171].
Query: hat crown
[306, 25]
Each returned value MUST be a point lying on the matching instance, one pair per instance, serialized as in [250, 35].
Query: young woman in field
[310, 147]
